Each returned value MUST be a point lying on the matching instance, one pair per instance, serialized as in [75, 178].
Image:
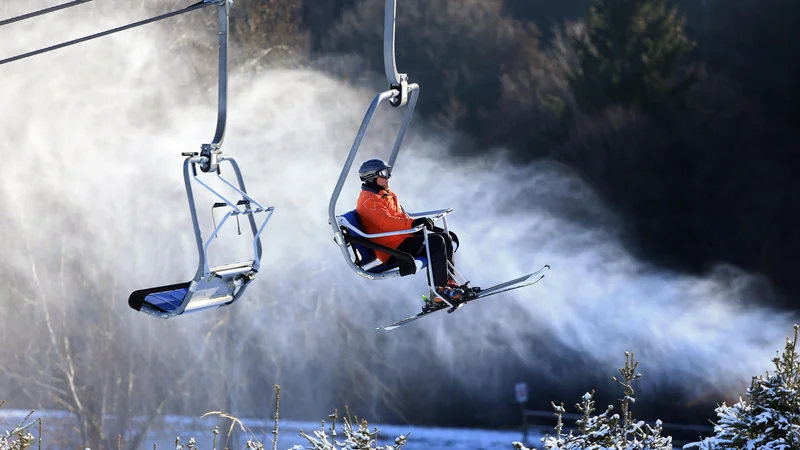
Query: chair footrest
[205, 303]
[231, 270]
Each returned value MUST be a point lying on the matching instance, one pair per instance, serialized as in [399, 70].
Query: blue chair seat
[365, 255]
[167, 301]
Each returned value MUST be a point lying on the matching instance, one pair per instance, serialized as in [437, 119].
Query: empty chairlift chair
[211, 287]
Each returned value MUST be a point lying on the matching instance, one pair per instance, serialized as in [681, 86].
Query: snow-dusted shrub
[16, 440]
[771, 421]
[607, 430]
[350, 439]
[19, 438]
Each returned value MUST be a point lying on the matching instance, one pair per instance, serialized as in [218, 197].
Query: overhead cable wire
[194, 7]
[43, 11]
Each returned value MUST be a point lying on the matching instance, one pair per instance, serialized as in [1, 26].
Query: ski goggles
[384, 173]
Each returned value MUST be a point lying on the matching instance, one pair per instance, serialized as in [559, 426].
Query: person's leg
[438, 262]
[440, 250]
[415, 245]
[451, 242]
[449, 251]
[448, 242]
[453, 237]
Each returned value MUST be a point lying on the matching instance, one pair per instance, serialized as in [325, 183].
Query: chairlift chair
[211, 287]
[356, 246]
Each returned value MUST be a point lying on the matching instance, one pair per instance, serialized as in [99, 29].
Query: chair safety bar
[193, 162]
[344, 222]
[435, 215]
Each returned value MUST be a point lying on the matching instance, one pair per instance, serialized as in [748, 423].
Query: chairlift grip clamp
[210, 153]
[402, 88]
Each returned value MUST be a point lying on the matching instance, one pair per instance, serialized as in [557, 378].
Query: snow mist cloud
[95, 131]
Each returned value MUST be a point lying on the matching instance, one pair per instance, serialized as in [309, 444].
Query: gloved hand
[423, 221]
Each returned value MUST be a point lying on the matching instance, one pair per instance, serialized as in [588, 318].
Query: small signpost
[521, 393]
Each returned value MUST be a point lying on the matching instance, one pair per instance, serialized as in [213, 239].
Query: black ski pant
[441, 247]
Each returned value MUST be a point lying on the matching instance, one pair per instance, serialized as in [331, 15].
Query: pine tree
[607, 430]
[594, 431]
[771, 421]
[629, 55]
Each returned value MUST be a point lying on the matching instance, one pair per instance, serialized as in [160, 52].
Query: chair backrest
[365, 255]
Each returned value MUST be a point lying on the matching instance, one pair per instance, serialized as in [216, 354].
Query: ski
[413, 318]
[539, 273]
[494, 290]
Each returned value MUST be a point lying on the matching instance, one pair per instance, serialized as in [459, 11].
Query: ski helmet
[374, 168]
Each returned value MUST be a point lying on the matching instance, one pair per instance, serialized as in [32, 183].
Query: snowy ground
[57, 424]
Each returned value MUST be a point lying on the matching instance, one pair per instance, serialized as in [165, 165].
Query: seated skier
[380, 212]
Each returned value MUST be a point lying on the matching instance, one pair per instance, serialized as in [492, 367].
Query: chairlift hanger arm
[398, 90]
[352, 156]
[43, 11]
[212, 150]
[383, 96]
[412, 103]
[398, 81]
[196, 6]
[222, 13]
[362, 131]
[389, 62]
[401, 93]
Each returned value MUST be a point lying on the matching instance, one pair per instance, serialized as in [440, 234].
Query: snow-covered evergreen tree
[771, 421]
[607, 430]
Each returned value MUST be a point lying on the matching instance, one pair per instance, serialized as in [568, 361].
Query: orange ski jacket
[380, 212]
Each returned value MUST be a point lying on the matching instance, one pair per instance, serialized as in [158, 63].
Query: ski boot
[453, 294]
[470, 292]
